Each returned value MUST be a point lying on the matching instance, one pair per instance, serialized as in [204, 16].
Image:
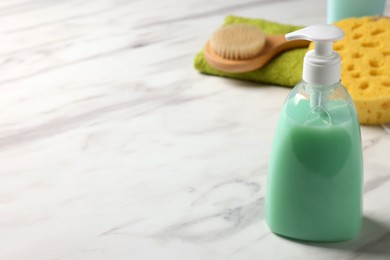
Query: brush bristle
[237, 41]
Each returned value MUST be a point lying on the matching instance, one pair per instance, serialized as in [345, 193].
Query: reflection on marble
[113, 147]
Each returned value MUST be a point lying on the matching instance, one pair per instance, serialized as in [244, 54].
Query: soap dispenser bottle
[314, 188]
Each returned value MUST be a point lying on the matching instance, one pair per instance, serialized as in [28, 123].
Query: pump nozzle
[323, 65]
[322, 36]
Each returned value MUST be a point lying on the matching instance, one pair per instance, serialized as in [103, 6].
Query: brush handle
[278, 43]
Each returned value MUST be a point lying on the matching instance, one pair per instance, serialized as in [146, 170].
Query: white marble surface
[113, 147]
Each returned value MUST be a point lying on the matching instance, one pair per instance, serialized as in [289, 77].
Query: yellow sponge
[365, 54]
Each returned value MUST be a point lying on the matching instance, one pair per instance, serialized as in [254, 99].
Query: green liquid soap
[314, 188]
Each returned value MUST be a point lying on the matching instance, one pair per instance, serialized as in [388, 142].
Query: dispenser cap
[323, 65]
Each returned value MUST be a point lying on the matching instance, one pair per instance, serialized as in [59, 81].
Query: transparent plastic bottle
[314, 187]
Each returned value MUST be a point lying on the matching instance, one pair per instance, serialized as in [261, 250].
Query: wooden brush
[240, 48]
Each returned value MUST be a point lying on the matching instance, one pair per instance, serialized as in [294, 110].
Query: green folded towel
[284, 70]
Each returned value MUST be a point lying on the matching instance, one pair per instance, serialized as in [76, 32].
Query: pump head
[323, 65]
